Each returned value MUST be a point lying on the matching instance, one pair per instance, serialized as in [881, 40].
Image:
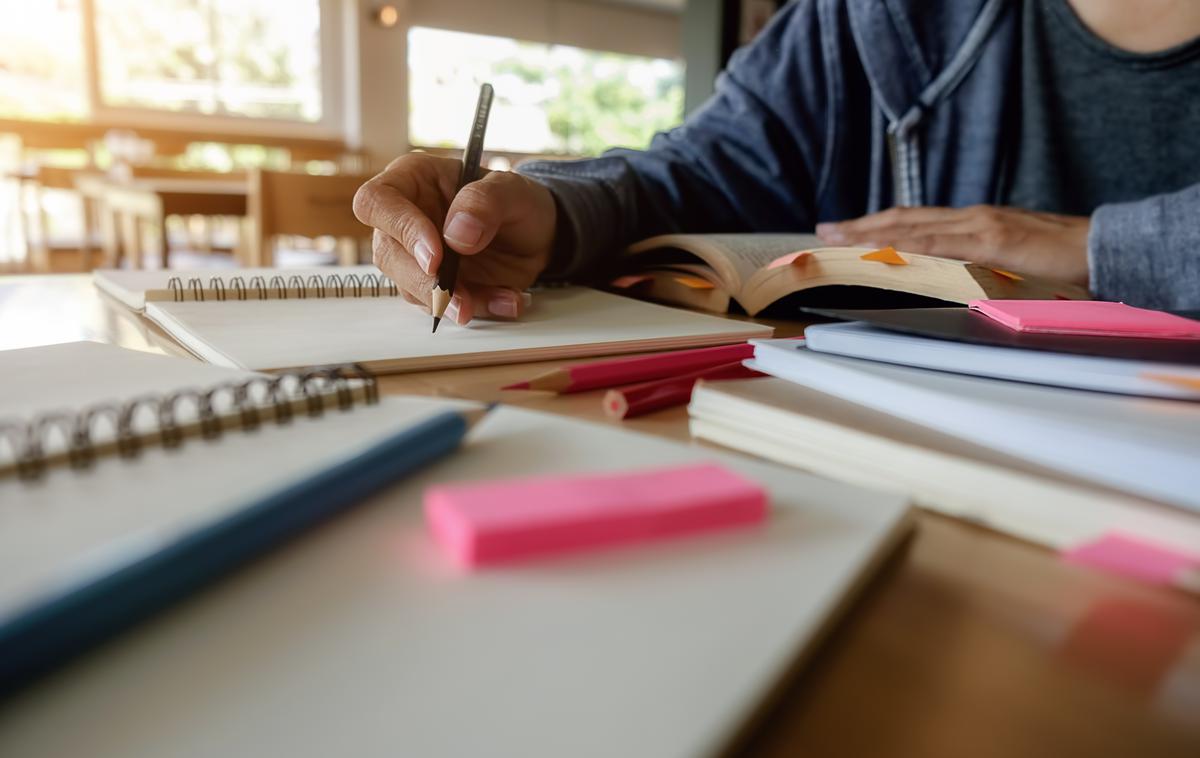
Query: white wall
[376, 89]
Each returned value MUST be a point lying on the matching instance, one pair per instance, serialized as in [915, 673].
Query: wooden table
[124, 206]
[967, 644]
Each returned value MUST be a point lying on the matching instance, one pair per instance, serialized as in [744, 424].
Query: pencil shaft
[447, 272]
[640, 399]
[622, 371]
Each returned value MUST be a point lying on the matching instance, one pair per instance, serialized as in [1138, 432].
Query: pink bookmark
[1137, 559]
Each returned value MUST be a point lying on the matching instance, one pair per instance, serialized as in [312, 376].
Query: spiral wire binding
[259, 288]
[28, 441]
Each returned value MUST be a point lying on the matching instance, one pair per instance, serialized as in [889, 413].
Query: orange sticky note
[625, 282]
[1008, 275]
[886, 255]
[1187, 382]
[797, 258]
[695, 282]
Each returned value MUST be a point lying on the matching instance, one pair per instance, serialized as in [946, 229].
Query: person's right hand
[502, 225]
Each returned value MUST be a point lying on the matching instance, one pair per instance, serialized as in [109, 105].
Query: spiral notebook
[113, 461]
[290, 319]
[364, 639]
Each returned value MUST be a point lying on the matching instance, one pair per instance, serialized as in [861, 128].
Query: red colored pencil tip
[517, 386]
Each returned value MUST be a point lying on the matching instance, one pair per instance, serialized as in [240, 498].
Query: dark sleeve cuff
[589, 220]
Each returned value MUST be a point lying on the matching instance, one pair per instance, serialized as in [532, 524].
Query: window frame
[331, 123]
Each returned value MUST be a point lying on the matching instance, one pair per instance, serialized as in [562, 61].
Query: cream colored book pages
[131, 287]
[791, 424]
[362, 639]
[928, 276]
[735, 257]
[391, 336]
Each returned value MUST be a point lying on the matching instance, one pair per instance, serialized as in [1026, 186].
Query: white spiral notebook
[286, 319]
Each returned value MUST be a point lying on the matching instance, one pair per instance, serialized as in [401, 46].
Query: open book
[715, 272]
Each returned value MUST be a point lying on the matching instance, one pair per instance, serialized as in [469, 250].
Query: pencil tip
[436, 321]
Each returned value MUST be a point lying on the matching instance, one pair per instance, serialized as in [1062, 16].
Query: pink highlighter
[509, 520]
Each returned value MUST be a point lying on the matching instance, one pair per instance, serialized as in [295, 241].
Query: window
[171, 60]
[550, 99]
[257, 58]
[41, 64]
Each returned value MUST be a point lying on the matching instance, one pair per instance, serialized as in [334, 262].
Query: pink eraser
[1087, 317]
[507, 520]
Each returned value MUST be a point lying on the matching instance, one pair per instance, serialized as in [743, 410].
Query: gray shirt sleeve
[1147, 253]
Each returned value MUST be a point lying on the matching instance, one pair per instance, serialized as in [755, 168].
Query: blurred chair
[304, 205]
[35, 223]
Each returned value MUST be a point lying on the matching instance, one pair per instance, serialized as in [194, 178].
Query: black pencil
[447, 272]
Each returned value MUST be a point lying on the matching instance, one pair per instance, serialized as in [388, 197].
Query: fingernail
[527, 299]
[453, 309]
[424, 255]
[503, 304]
[464, 230]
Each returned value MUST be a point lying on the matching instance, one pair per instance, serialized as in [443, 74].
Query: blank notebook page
[389, 335]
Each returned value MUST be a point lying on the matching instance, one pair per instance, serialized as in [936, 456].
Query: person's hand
[502, 225]
[1043, 244]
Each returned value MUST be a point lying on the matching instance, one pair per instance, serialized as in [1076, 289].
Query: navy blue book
[111, 510]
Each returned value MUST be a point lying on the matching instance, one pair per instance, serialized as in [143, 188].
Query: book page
[388, 335]
[735, 257]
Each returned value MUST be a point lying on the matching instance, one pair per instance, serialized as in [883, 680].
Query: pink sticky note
[791, 259]
[1087, 317]
[1134, 558]
[508, 520]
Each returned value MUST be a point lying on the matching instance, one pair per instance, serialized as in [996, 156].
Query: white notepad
[388, 335]
[362, 639]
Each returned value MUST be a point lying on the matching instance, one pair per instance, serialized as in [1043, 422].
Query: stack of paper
[822, 432]
[1141, 446]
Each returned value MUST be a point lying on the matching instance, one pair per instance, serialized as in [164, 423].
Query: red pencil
[615, 373]
[628, 402]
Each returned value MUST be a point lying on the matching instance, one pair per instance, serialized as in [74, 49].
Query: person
[1053, 137]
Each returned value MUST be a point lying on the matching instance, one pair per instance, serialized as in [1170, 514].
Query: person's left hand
[1029, 242]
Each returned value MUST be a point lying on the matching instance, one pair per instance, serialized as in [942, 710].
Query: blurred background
[190, 133]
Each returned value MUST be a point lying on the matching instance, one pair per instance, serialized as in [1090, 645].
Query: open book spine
[276, 288]
[78, 438]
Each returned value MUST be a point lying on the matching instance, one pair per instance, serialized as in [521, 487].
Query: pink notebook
[1087, 317]
[503, 521]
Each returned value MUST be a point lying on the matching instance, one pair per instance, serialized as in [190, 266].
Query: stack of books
[1057, 446]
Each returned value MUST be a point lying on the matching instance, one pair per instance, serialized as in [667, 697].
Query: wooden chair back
[305, 205]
